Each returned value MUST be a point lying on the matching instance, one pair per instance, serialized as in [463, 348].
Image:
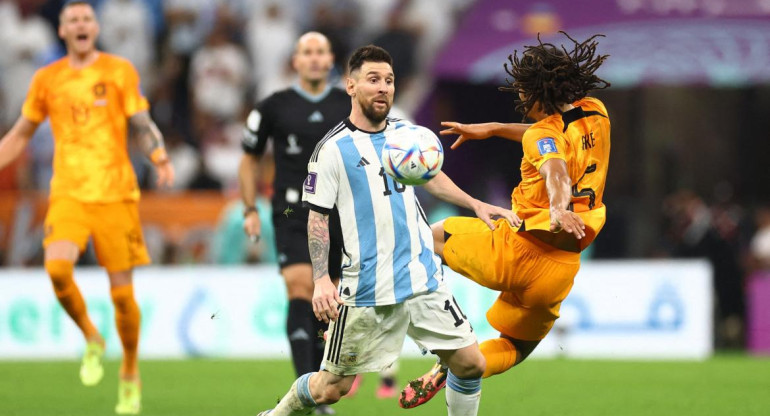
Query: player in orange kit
[559, 200]
[92, 98]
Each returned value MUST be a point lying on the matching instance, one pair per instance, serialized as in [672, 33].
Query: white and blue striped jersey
[388, 245]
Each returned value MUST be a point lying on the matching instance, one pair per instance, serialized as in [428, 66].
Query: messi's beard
[374, 116]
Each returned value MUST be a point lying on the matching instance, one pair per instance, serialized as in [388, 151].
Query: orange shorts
[533, 277]
[114, 227]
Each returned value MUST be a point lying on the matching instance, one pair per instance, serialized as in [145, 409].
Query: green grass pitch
[733, 385]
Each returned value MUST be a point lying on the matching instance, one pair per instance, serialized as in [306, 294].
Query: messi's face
[78, 28]
[373, 89]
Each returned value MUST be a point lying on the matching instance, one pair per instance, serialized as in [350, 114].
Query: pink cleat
[354, 387]
[421, 390]
[386, 391]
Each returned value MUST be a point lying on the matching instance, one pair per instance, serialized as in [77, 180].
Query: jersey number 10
[399, 187]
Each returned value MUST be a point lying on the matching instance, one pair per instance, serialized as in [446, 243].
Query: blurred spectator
[219, 77]
[339, 22]
[371, 22]
[399, 40]
[696, 230]
[222, 152]
[760, 243]
[270, 36]
[28, 42]
[436, 18]
[127, 30]
[189, 24]
[184, 158]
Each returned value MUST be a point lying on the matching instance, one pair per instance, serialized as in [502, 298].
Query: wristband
[249, 210]
[159, 156]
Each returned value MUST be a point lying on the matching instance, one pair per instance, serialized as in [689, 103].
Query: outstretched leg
[60, 258]
[310, 391]
[505, 352]
[127, 321]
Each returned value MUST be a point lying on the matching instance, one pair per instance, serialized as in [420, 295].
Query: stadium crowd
[203, 63]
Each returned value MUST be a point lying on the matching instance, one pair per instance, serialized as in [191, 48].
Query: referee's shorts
[290, 223]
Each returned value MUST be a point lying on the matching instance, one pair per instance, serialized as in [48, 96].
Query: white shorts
[370, 338]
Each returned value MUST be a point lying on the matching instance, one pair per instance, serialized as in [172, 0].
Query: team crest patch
[310, 182]
[546, 145]
[100, 89]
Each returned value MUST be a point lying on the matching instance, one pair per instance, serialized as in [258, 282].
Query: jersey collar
[312, 98]
[353, 127]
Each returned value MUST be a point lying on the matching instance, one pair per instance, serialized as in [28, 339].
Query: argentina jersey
[388, 244]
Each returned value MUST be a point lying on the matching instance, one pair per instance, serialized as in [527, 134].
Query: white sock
[462, 395]
[298, 401]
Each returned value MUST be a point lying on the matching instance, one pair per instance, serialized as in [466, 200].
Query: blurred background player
[91, 98]
[390, 287]
[296, 119]
[559, 199]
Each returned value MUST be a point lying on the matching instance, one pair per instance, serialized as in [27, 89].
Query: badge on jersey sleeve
[310, 182]
[546, 145]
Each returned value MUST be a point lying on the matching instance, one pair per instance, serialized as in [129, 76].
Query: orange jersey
[89, 110]
[580, 137]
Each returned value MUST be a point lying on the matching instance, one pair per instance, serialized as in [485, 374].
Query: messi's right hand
[326, 299]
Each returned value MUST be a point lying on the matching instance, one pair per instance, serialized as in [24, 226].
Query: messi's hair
[552, 76]
[368, 53]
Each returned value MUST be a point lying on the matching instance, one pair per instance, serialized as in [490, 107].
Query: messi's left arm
[151, 142]
[444, 189]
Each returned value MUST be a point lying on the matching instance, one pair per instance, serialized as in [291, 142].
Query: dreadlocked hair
[552, 76]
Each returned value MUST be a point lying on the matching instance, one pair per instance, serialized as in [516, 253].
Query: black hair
[552, 76]
[368, 53]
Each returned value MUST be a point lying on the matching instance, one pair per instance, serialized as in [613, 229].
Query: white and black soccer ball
[413, 155]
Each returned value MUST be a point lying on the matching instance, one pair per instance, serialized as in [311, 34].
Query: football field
[733, 385]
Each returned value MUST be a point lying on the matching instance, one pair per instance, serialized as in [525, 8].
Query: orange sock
[69, 296]
[127, 320]
[500, 355]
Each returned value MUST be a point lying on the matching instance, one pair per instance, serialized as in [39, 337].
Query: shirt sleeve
[34, 108]
[258, 129]
[133, 99]
[321, 186]
[541, 145]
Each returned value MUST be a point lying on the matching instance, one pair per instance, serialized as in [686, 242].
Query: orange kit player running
[92, 98]
[559, 200]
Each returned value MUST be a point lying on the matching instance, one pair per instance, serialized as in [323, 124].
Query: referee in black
[296, 119]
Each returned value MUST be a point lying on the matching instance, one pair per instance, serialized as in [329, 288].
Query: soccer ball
[412, 155]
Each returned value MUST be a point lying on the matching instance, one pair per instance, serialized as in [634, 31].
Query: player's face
[373, 88]
[313, 59]
[78, 28]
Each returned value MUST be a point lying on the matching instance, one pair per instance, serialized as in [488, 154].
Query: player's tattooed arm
[151, 142]
[318, 243]
[149, 137]
[326, 298]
